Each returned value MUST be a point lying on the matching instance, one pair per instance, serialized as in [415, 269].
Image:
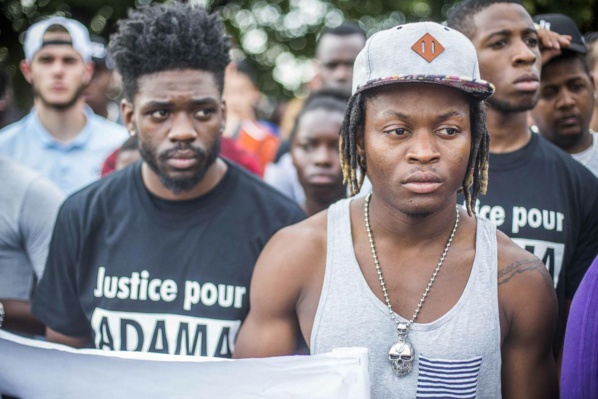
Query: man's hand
[551, 43]
[18, 317]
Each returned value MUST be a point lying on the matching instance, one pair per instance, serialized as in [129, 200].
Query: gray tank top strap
[457, 355]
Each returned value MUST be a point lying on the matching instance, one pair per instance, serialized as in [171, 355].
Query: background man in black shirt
[158, 257]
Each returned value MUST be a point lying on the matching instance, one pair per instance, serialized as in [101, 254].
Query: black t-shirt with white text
[139, 273]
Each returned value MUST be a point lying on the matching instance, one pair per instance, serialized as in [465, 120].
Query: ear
[127, 112]
[88, 74]
[223, 115]
[316, 64]
[360, 144]
[26, 70]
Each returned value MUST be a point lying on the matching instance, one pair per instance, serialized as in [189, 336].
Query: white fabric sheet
[36, 369]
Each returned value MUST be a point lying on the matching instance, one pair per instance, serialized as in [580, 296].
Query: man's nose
[566, 99]
[524, 54]
[57, 67]
[423, 148]
[323, 156]
[182, 128]
[343, 72]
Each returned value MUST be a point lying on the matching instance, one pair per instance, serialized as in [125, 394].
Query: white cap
[424, 52]
[78, 32]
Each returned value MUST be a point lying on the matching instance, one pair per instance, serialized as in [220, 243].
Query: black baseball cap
[563, 25]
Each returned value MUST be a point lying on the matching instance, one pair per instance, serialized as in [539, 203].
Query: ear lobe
[127, 112]
[223, 113]
[360, 147]
[89, 69]
[360, 142]
[25, 70]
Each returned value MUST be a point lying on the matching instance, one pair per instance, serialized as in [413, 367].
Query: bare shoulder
[528, 319]
[294, 253]
[300, 241]
[289, 266]
[526, 292]
[518, 267]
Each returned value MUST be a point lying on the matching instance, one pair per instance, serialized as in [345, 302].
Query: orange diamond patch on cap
[428, 47]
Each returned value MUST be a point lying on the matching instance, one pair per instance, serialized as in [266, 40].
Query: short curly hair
[460, 15]
[165, 37]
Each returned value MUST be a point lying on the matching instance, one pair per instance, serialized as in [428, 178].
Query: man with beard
[158, 257]
[537, 194]
[61, 137]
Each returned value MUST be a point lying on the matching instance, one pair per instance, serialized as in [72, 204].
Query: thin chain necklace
[402, 354]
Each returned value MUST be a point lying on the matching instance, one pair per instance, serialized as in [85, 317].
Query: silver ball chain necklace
[402, 354]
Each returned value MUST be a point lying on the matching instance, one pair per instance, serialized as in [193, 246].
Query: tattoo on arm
[522, 266]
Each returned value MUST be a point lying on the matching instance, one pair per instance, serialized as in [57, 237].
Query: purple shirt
[579, 372]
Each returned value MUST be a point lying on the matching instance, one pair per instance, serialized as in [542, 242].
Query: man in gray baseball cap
[430, 289]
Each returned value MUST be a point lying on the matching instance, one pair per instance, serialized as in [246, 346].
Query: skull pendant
[401, 354]
[401, 357]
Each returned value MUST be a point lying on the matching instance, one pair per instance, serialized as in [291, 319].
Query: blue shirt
[71, 165]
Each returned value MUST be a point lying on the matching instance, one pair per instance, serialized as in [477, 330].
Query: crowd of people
[433, 199]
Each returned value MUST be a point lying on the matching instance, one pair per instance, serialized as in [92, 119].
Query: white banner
[37, 369]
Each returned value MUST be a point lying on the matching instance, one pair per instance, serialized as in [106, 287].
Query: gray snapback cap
[424, 52]
[34, 39]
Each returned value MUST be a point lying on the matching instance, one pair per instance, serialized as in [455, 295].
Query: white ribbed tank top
[457, 355]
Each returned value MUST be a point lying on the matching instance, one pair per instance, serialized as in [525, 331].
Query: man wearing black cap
[564, 109]
[432, 291]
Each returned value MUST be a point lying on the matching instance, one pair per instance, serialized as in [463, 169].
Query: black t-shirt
[548, 204]
[137, 272]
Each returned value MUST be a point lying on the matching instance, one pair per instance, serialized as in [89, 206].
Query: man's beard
[508, 107]
[177, 186]
[60, 106]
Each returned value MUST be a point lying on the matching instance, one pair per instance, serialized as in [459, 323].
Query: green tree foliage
[277, 37]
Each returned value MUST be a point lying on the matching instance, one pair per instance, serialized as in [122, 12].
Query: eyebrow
[196, 102]
[530, 30]
[576, 79]
[557, 85]
[507, 32]
[448, 115]
[397, 114]
[439, 118]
